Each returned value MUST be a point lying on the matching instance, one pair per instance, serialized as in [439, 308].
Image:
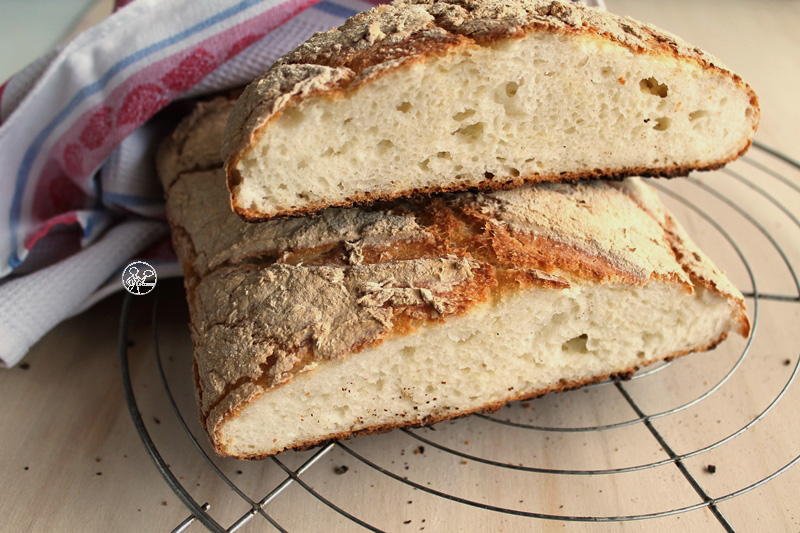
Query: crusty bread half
[424, 96]
[410, 312]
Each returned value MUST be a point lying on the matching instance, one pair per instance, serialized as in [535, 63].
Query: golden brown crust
[396, 35]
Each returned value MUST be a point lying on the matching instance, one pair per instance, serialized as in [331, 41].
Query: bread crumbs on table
[419, 450]
[711, 469]
[463, 462]
[407, 522]
[340, 469]
[24, 366]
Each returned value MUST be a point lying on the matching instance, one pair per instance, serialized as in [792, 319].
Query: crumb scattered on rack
[711, 469]
[24, 366]
[787, 362]
[419, 450]
[340, 469]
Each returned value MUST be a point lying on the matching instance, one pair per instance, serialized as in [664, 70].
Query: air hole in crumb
[424, 165]
[443, 155]
[570, 130]
[694, 115]
[662, 123]
[606, 71]
[384, 146]
[488, 175]
[327, 153]
[472, 132]
[292, 117]
[748, 112]
[576, 344]
[282, 187]
[514, 172]
[347, 121]
[302, 164]
[652, 86]
[458, 168]
[511, 89]
[463, 115]
[405, 107]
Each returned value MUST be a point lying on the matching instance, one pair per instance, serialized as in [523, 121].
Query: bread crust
[394, 36]
[388, 270]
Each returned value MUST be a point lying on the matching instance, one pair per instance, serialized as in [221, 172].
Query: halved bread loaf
[410, 312]
[424, 96]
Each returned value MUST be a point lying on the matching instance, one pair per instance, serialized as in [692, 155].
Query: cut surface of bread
[421, 96]
[410, 312]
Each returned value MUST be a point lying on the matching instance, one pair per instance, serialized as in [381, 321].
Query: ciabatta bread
[360, 320]
[424, 96]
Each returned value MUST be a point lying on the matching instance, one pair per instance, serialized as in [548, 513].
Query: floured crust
[274, 300]
[396, 35]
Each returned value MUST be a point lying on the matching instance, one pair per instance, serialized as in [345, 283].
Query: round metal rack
[721, 206]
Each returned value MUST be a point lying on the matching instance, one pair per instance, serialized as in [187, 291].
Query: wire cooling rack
[660, 432]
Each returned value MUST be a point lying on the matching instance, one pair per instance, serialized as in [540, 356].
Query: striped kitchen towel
[78, 194]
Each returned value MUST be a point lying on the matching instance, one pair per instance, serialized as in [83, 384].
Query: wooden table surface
[72, 460]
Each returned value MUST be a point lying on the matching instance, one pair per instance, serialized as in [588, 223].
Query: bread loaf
[424, 96]
[410, 312]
